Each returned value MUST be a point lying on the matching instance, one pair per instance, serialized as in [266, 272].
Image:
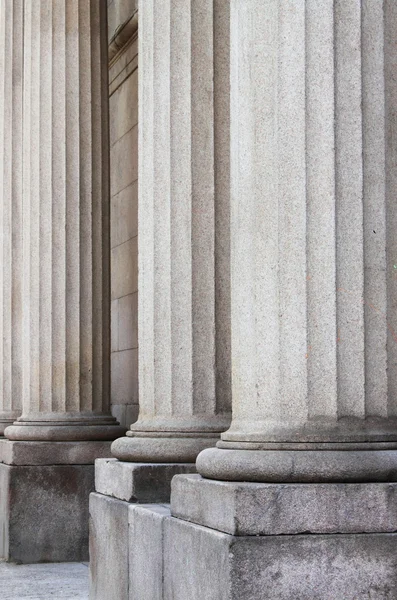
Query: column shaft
[65, 289]
[11, 44]
[183, 177]
[312, 264]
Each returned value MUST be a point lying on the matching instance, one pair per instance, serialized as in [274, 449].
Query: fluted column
[65, 266]
[313, 222]
[184, 373]
[11, 44]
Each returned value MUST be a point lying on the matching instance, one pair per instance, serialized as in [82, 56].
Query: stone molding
[123, 36]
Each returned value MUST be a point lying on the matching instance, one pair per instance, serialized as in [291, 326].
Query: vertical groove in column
[222, 203]
[31, 168]
[45, 187]
[90, 210]
[58, 124]
[320, 154]
[374, 172]
[349, 209]
[75, 180]
[182, 167]
[159, 22]
[148, 379]
[390, 58]
[292, 211]
[11, 44]
[203, 207]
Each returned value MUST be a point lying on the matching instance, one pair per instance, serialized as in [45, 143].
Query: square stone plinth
[202, 563]
[109, 558]
[245, 509]
[44, 512]
[137, 482]
[182, 560]
[52, 453]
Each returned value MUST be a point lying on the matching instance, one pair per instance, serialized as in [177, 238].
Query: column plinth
[313, 284]
[183, 316]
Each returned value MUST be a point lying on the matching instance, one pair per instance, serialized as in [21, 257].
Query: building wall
[123, 90]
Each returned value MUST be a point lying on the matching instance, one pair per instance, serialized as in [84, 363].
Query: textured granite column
[184, 364]
[65, 265]
[11, 44]
[313, 250]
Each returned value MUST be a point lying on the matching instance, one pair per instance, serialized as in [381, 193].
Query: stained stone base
[199, 562]
[108, 525]
[44, 512]
[120, 486]
[137, 482]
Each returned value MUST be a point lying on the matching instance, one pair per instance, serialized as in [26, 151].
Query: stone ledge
[137, 482]
[251, 509]
[52, 453]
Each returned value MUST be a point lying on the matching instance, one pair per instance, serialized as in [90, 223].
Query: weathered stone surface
[60, 581]
[63, 355]
[108, 548]
[306, 466]
[137, 482]
[52, 453]
[44, 512]
[146, 551]
[203, 563]
[274, 509]
[11, 221]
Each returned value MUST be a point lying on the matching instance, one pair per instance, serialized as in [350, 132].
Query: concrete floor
[60, 581]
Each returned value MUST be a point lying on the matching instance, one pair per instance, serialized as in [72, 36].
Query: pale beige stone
[128, 322]
[114, 325]
[176, 230]
[124, 215]
[123, 107]
[65, 226]
[309, 245]
[124, 377]
[124, 269]
[11, 62]
[124, 161]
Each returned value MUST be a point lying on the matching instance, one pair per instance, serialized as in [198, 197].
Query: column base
[44, 512]
[118, 485]
[301, 466]
[202, 563]
[167, 447]
[227, 541]
[57, 428]
[44, 491]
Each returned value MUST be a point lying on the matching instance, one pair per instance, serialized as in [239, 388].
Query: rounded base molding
[167, 448]
[7, 419]
[300, 466]
[63, 432]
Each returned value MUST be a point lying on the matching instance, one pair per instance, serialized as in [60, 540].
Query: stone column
[184, 365]
[11, 44]
[313, 221]
[65, 266]
[310, 460]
